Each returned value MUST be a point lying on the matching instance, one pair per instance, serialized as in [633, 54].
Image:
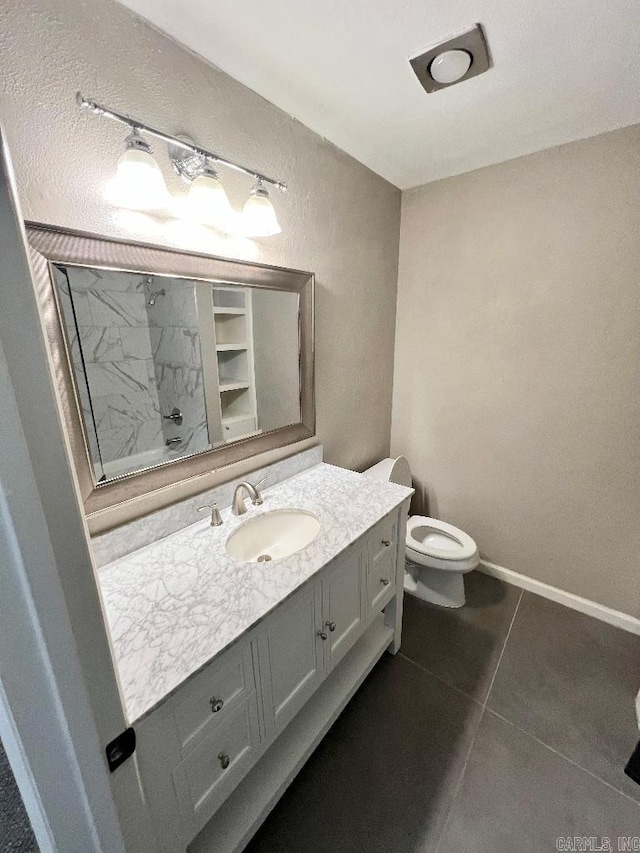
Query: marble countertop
[175, 604]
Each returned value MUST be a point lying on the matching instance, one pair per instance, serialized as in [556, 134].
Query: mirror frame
[49, 245]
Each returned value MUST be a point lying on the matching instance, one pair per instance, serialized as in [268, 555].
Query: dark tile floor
[499, 728]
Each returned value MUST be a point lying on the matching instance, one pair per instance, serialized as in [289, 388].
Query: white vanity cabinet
[245, 723]
[307, 636]
[343, 604]
[195, 748]
[290, 655]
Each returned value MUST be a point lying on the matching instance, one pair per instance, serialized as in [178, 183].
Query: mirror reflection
[167, 367]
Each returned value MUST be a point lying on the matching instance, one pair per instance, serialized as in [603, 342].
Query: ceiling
[563, 70]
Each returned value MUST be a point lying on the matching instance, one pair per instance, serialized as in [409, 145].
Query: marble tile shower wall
[177, 360]
[111, 316]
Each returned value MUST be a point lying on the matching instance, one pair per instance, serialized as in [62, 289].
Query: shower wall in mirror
[165, 357]
[135, 349]
[166, 367]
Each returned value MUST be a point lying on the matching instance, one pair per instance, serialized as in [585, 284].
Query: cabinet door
[344, 605]
[291, 661]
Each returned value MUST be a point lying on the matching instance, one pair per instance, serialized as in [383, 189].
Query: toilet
[438, 554]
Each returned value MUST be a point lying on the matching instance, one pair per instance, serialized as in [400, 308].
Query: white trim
[569, 599]
[43, 700]
[59, 686]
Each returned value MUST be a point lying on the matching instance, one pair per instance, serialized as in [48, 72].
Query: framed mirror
[170, 364]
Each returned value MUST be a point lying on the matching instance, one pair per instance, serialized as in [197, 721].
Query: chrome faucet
[216, 518]
[239, 507]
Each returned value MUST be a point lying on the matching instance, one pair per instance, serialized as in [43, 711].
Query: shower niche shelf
[233, 324]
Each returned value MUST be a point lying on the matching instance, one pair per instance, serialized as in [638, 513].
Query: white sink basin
[273, 535]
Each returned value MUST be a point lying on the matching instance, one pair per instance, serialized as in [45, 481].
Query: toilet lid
[436, 538]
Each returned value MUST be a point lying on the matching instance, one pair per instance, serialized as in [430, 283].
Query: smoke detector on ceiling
[453, 61]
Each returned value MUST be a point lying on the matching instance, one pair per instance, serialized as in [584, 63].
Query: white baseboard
[576, 602]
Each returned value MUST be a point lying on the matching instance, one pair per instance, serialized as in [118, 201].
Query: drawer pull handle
[386, 542]
[224, 760]
[322, 635]
[216, 704]
[384, 581]
[331, 626]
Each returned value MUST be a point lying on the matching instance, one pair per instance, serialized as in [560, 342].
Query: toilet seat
[431, 537]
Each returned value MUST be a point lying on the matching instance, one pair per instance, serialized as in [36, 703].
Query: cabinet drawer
[237, 428]
[381, 580]
[383, 537]
[214, 695]
[208, 775]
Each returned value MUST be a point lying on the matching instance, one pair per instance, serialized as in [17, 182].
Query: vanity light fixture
[258, 216]
[207, 200]
[139, 183]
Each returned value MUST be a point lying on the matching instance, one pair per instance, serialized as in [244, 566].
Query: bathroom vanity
[235, 646]
[232, 671]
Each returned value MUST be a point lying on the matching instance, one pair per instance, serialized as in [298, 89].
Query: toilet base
[436, 586]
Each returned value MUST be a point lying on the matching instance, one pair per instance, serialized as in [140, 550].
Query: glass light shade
[450, 66]
[138, 184]
[207, 200]
[258, 216]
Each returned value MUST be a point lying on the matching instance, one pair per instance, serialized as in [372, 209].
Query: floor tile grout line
[504, 646]
[563, 756]
[481, 709]
[440, 680]
[463, 772]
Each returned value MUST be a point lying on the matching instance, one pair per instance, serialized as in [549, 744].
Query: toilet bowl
[441, 554]
[438, 554]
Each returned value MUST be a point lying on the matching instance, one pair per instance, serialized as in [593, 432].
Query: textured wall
[339, 220]
[517, 378]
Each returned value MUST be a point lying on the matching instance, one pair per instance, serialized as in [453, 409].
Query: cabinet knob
[322, 635]
[384, 581]
[223, 758]
[386, 543]
[216, 704]
[331, 626]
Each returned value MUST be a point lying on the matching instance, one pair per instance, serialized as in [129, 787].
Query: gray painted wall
[339, 220]
[517, 375]
[276, 357]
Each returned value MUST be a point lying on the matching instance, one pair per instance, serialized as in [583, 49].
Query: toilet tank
[391, 471]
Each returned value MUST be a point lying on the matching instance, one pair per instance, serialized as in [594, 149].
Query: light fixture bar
[100, 110]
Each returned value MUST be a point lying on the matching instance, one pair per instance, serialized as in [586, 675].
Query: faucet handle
[257, 488]
[216, 518]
